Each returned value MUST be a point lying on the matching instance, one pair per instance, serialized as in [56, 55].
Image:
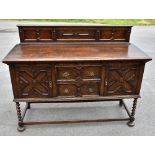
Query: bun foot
[20, 128]
[131, 124]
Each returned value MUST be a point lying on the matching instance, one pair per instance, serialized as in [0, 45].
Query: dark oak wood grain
[75, 52]
[74, 33]
[75, 63]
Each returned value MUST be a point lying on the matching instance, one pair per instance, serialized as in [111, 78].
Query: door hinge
[106, 82]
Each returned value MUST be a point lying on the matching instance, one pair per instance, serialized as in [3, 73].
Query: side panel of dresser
[76, 79]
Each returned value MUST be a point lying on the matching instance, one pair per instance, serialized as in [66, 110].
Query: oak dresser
[75, 63]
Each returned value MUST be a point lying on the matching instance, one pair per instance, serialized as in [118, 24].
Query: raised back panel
[74, 33]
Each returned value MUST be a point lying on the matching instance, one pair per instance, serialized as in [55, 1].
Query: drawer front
[66, 73]
[122, 78]
[91, 72]
[72, 71]
[72, 90]
[90, 88]
[66, 90]
[33, 81]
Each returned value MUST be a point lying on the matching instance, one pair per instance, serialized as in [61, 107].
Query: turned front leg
[131, 123]
[20, 119]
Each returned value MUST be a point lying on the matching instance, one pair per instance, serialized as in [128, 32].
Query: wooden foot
[131, 124]
[20, 128]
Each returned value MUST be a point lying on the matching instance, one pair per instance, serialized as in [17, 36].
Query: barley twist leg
[20, 120]
[131, 123]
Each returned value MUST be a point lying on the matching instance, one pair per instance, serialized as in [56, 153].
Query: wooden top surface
[70, 25]
[74, 52]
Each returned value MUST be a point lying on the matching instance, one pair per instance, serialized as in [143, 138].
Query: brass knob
[91, 74]
[79, 89]
[66, 74]
[90, 90]
[66, 91]
[50, 84]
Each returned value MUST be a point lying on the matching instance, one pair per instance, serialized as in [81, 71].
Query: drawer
[91, 72]
[72, 71]
[72, 90]
[66, 73]
[68, 90]
[90, 88]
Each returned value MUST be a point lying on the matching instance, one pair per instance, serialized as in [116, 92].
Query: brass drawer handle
[90, 90]
[66, 90]
[50, 84]
[91, 74]
[66, 74]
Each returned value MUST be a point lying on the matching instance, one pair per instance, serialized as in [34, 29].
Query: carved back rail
[74, 33]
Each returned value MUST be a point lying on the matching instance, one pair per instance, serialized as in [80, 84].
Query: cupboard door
[34, 81]
[121, 78]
